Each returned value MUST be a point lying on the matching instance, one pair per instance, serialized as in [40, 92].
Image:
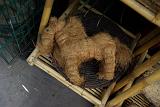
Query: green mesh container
[18, 18]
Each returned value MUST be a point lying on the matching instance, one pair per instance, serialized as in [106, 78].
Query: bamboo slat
[135, 89]
[136, 102]
[145, 100]
[135, 42]
[138, 71]
[93, 93]
[131, 82]
[152, 5]
[148, 36]
[148, 45]
[140, 100]
[124, 89]
[107, 93]
[72, 7]
[142, 58]
[46, 14]
[143, 11]
[45, 60]
[99, 90]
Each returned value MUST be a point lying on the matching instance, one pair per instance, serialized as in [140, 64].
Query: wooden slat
[107, 93]
[141, 100]
[97, 92]
[45, 60]
[72, 7]
[134, 44]
[46, 14]
[135, 102]
[143, 11]
[135, 89]
[148, 37]
[138, 71]
[152, 5]
[148, 45]
[92, 92]
[141, 59]
[123, 90]
[145, 100]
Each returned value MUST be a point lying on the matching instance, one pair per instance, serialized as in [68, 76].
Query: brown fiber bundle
[69, 44]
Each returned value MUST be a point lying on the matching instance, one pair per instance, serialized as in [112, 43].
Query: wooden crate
[97, 96]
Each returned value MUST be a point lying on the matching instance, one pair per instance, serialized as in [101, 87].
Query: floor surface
[22, 85]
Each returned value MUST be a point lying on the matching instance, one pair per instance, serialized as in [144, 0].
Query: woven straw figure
[69, 44]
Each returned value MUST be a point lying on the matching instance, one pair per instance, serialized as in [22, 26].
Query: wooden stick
[148, 45]
[124, 89]
[135, 42]
[46, 14]
[138, 71]
[135, 89]
[131, 82]
[142, 10]
[148, 37]
[107, 93]
[72, 7]
[142, 58]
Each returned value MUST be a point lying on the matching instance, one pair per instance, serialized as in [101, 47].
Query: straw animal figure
[69, 44]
